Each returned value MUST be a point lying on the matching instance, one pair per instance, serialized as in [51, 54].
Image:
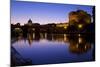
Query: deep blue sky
[43, 13]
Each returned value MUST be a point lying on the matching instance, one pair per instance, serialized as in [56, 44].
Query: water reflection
[56, 48]
[30, 38]
[50, 37]
[78, 43]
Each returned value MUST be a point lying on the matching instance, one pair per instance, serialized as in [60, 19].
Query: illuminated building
[63, 25]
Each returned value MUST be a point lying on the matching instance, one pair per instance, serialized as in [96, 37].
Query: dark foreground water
[55, 48]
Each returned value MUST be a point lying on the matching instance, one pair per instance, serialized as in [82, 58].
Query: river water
[55, 48]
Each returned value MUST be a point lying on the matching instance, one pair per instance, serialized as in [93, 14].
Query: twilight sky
[43, 13]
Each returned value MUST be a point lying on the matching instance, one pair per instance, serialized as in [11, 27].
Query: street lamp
[80, 26]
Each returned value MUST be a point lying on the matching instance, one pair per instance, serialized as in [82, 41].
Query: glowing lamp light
[65, 27]
[80, 40]
[80, 25]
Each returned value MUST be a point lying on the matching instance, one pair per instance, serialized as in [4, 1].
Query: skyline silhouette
[43, 13]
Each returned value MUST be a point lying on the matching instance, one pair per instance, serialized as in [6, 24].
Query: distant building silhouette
[29, 22]
[79, 17]
[78, 21]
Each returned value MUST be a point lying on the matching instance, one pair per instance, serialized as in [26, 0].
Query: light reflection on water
[55, 48]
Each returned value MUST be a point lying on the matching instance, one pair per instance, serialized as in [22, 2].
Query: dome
[29, 21]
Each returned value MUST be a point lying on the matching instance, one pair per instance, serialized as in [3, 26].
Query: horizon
[43, 24]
